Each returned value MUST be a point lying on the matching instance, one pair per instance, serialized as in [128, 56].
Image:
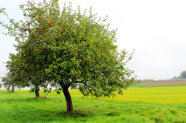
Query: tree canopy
[71, 48]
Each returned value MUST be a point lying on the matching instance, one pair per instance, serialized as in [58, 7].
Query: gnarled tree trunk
[37, 92]
[68, 99]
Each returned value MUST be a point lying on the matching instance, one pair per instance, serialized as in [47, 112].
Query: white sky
[156, 29]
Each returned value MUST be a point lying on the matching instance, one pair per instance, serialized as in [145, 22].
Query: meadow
[136, 105]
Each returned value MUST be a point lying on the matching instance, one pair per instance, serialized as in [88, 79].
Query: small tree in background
[9, 83]
[14, 78]
[71, 48]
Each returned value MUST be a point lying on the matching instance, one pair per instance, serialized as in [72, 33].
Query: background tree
[33, 56]
[9, 84]
[75, 49]
[15, 75]
[33, 66]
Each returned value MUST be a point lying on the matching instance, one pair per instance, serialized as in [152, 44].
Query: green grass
[21, 106]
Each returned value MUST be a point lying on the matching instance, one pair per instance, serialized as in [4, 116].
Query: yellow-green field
[169, 94]
[136, 105]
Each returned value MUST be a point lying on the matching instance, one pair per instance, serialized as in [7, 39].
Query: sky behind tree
[155, 29]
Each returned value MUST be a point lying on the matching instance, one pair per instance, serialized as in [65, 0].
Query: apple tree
[31, 46]
[71, 48]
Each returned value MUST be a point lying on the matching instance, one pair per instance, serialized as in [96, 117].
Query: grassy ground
[137, 105]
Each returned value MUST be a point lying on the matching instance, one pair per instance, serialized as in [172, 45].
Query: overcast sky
[156, 29]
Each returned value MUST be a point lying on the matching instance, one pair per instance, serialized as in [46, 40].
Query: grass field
[137, 105]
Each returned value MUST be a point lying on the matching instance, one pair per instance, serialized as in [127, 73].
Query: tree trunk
[37, 92]
[68, 99]
[12, 88]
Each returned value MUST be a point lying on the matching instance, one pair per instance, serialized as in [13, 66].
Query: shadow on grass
[77, 113]
[83, 113]
[55, 116]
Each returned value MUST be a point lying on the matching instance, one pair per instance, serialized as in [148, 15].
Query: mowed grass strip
[148, 104]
